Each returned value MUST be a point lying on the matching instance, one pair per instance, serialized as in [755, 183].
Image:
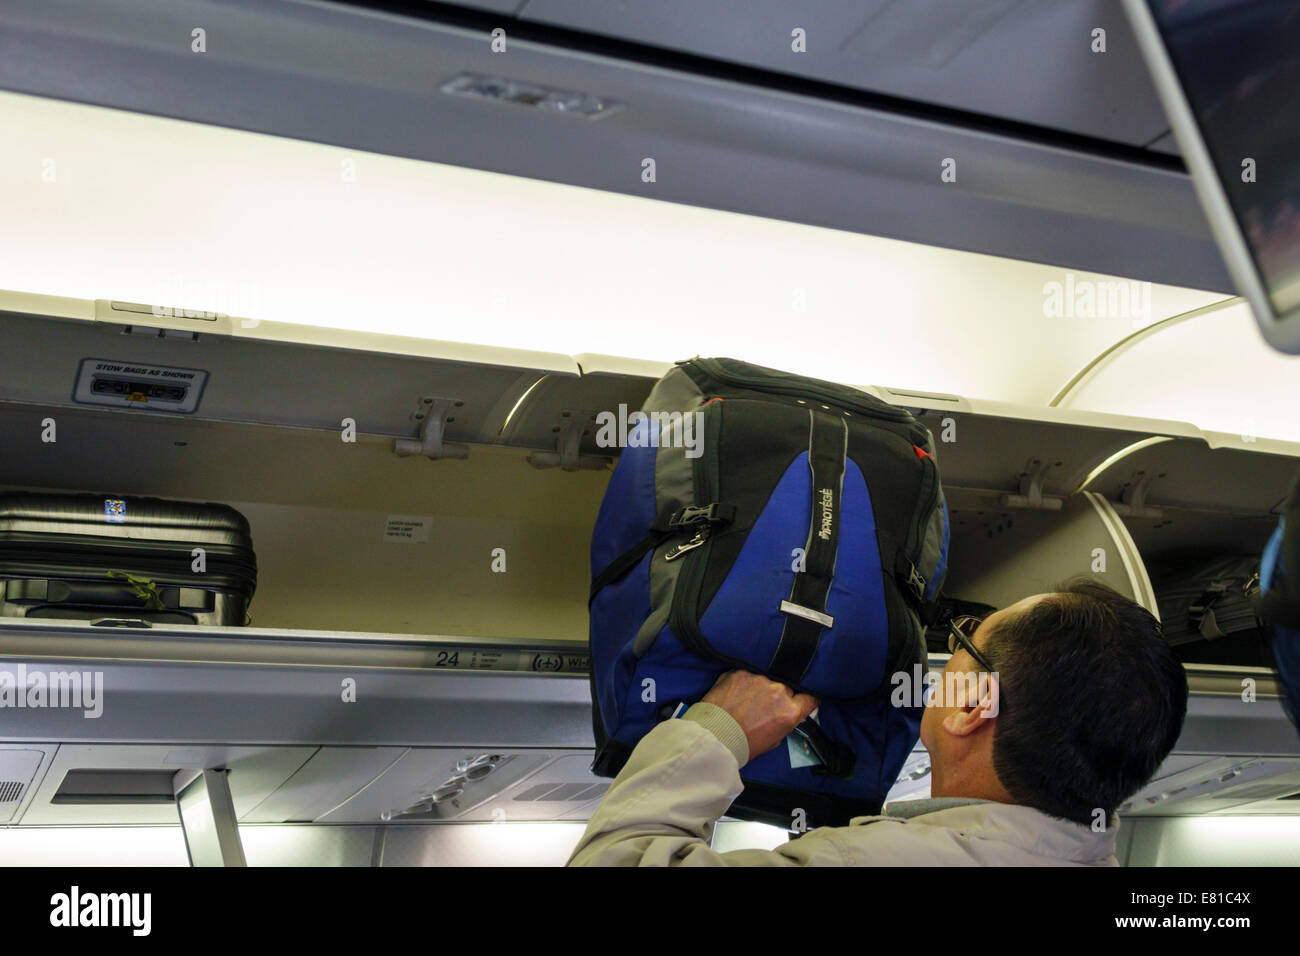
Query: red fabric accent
[711, 401]
[921, 452]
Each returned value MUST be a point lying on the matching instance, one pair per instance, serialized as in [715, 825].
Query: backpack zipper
[927, 501]
[683, 616]
[699, 539]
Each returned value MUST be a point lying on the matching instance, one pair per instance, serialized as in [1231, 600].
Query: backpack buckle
[916, 581]
[696, 515]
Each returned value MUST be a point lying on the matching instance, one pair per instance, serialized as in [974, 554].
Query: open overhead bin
[379, 565]
[1087, 493]
[321, 439]
[1041, 494]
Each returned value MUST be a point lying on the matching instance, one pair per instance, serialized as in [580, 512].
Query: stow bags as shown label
[122, 384]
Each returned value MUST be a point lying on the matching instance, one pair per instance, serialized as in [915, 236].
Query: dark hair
[1093, 700]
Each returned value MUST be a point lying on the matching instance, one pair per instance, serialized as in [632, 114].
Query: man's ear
[962, 721]
[990, 695]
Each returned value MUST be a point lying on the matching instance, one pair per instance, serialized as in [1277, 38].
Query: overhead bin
[1226, 474]
[998, 57]
[1200, 513]
[1012, 475]
[494, 546]
[90, 355]
[276, 687]
[998, 556]
[255, 372]
[1036, 456]
[1036, 495]
[1024, 458]
[418, 727]
[320, 506]
[569, 410]
[429, 714]
[743, 138]
[1041, 494]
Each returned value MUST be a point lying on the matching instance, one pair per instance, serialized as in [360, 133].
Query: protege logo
[103, 910]
[828, 514]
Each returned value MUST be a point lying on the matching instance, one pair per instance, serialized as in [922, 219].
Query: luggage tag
[801, 754]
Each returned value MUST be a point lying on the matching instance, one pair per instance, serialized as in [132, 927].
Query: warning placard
[407, 529]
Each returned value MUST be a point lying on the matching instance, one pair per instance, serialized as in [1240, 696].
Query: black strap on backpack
[805, 609]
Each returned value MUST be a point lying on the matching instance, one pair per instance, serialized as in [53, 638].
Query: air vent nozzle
[11, 790]
[563, 792]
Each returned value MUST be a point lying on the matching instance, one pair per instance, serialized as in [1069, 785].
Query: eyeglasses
[960, 631]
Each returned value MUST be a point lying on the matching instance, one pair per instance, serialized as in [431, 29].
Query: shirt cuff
[723, 726]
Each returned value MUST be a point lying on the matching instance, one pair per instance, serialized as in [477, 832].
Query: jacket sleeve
[662, 807]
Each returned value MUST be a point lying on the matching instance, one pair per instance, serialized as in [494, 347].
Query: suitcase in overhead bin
[83, 557]
[1206, 606]
[783, 525]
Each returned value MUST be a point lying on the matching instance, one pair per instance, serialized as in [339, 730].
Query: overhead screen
[1228, 72]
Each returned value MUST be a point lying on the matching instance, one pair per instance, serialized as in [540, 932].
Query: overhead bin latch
[433, 416]
[568, 445]
[164, 322]
[1132, 500]
[1031, 489]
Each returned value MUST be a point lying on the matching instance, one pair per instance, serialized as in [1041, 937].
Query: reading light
[502, 90]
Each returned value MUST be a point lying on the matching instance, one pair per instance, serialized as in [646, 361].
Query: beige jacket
[684, 774]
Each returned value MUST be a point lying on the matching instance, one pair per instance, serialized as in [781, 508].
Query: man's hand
[766, 711]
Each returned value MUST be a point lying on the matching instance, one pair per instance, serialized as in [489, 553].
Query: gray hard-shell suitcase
[85, 557]
[1206, 606]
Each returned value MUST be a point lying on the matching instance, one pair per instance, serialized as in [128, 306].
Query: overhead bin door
[267, 373]
[1032, 63]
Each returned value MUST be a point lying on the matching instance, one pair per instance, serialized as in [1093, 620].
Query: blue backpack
[1278, 601]
[782, 525]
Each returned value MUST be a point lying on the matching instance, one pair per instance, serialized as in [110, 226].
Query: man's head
[1089, 700]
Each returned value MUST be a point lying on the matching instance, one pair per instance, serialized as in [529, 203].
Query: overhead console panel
[739, 120]
[1003, 58]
